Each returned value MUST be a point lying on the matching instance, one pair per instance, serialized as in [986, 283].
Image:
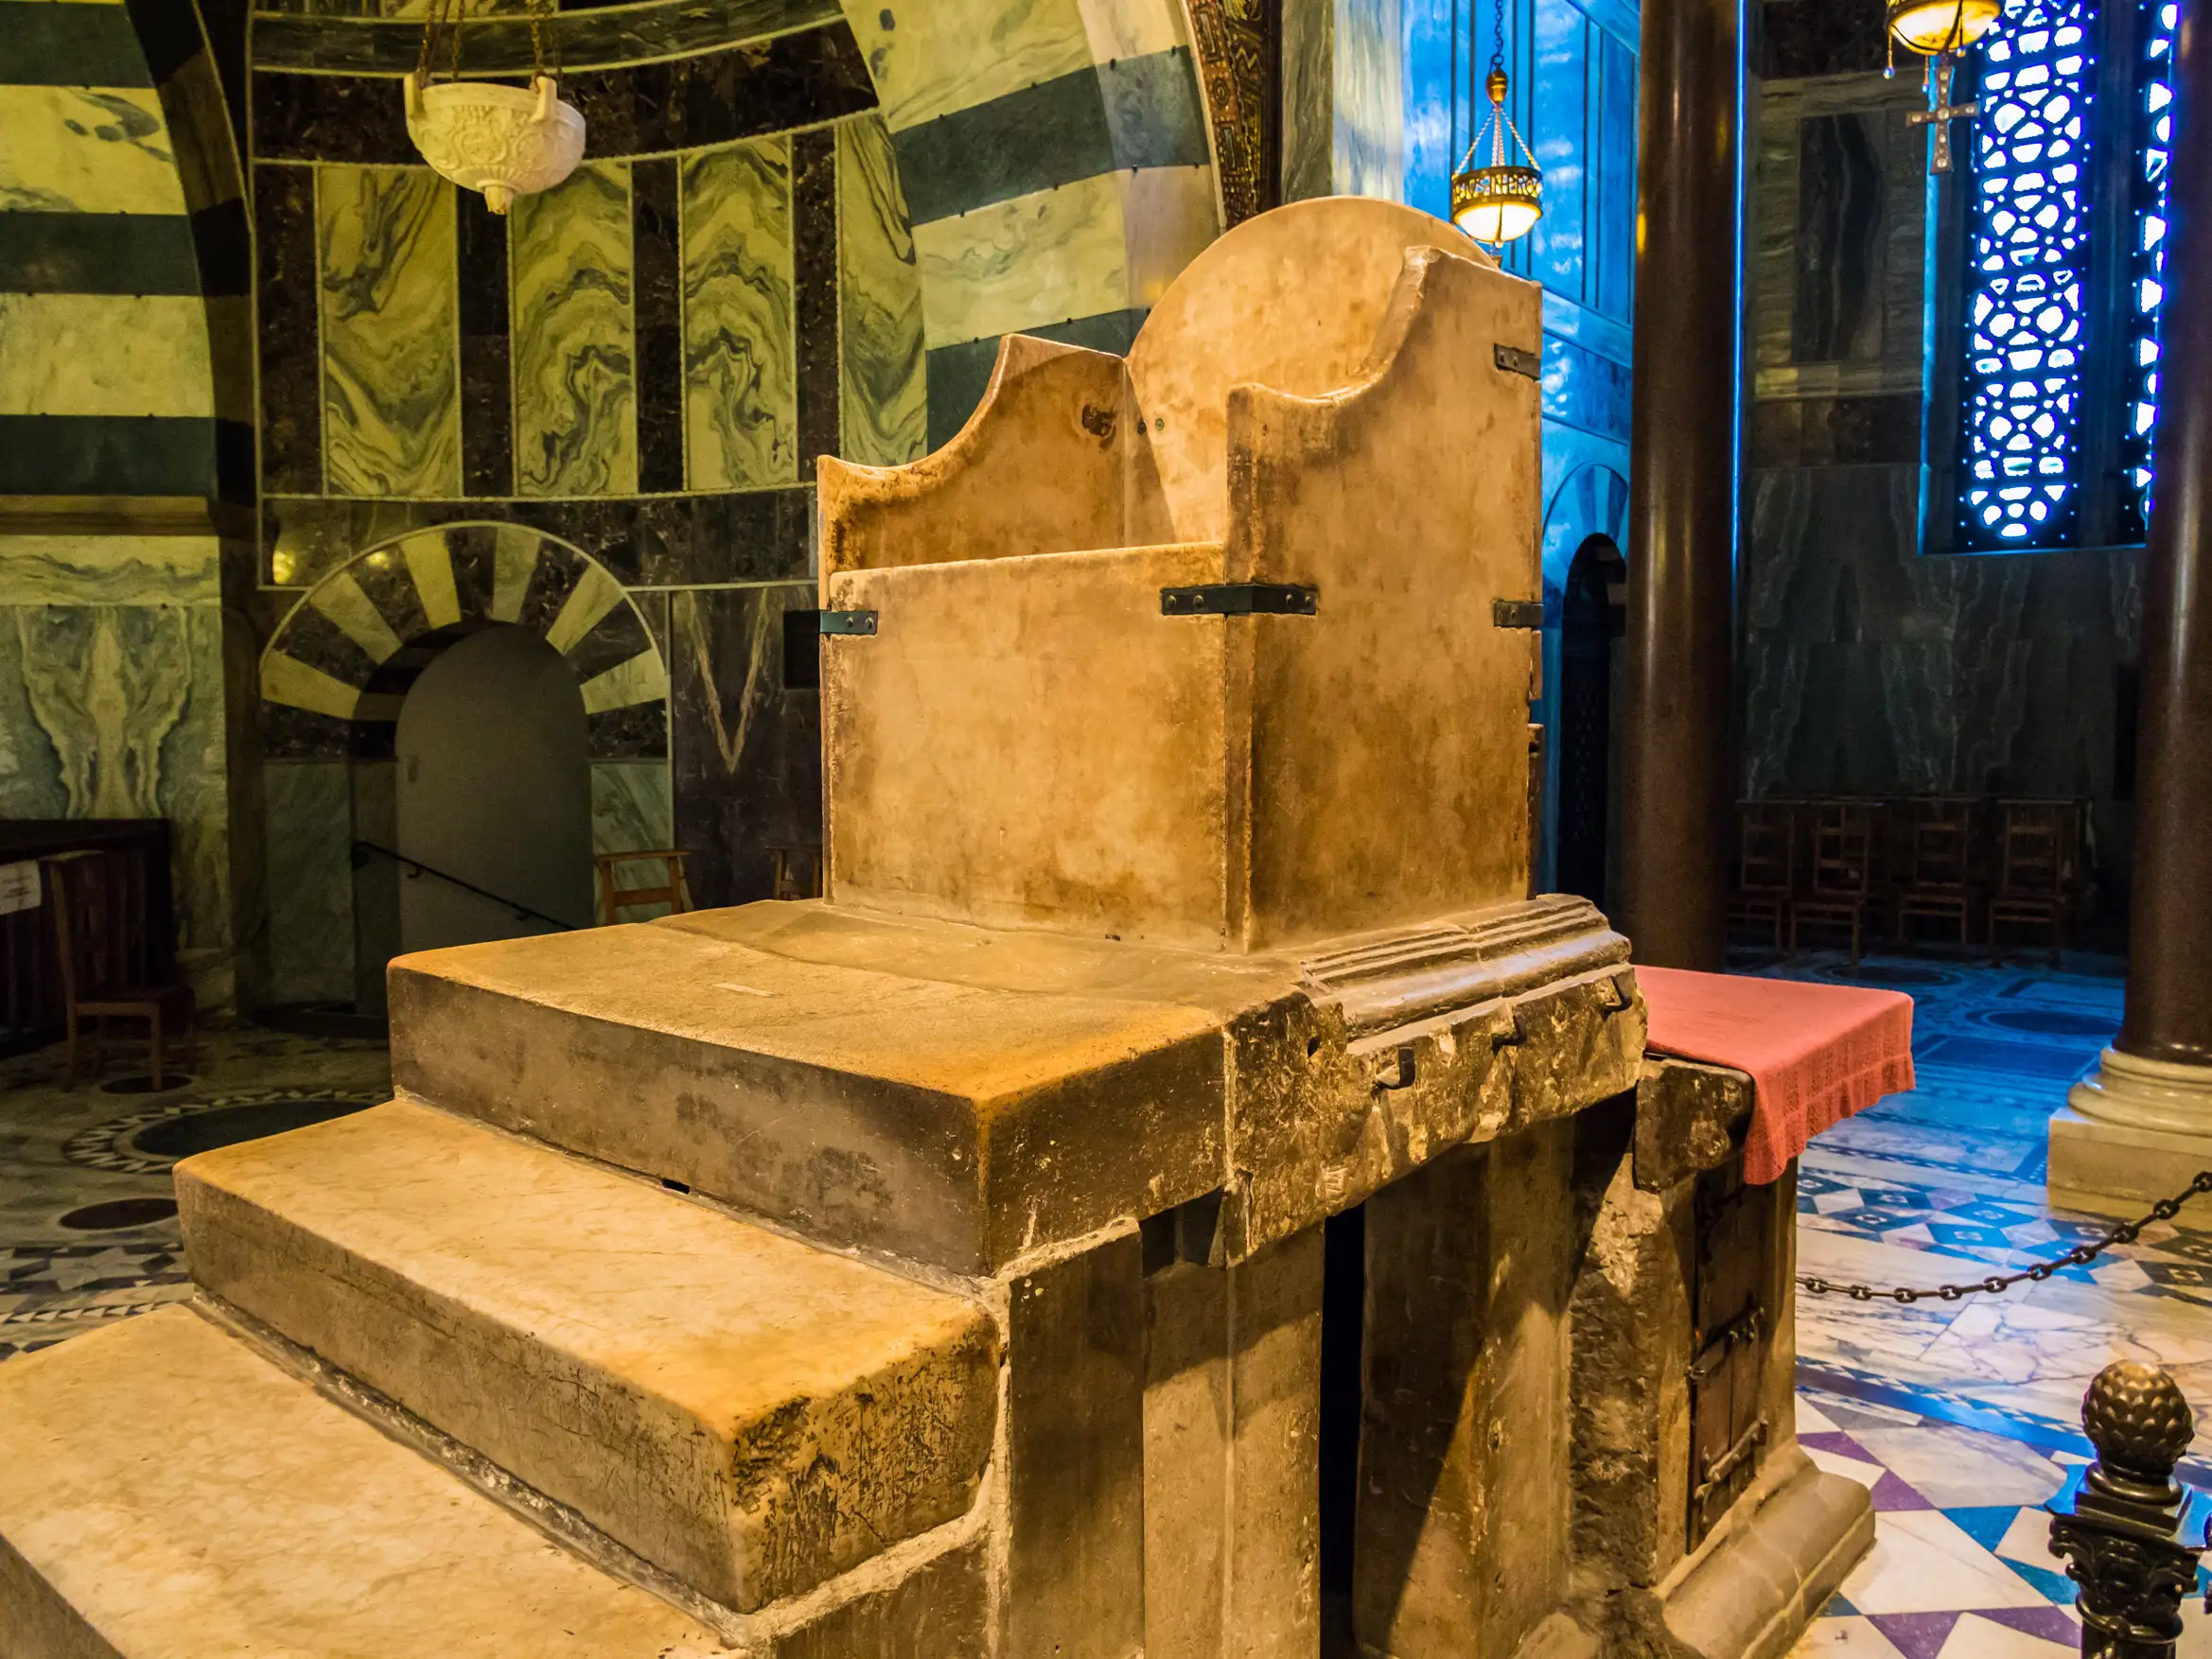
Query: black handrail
[417, 866]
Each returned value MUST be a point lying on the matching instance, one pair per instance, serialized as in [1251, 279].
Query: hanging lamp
[1501, 199]
[505, 141]
[1937, 28]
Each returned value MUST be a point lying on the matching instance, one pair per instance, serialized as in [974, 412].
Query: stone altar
[1177, 1194]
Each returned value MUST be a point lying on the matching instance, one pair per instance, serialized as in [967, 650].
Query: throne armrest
[1040, 466]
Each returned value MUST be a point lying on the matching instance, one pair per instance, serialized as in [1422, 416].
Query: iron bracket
[1240, 599]
[1515, 362]
[848, 622]
[1517, 613]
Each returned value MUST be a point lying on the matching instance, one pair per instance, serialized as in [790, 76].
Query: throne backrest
[1257, 309]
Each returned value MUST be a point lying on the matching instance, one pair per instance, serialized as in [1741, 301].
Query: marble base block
[1771, 1564]
[2132, 1132]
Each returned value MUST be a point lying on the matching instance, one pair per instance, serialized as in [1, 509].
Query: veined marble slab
[1108, 243]
[105, 355]
[570, 254]
[740, 400]
[110, 569]
[116, 711]
[391, 368]
[86, 149]
[932, 57]
[883, 404]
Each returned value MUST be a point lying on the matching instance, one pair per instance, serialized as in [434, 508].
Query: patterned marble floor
[1963, 1417]
[1945, 1184]
[88, 1229]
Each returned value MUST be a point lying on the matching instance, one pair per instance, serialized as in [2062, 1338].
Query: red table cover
[1817, 1053]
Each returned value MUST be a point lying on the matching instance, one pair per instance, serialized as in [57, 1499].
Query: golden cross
[1940, 112]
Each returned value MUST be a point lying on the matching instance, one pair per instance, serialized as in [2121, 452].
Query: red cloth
[1817, 1053]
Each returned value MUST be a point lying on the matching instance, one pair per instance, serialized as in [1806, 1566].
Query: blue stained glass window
[2153, 130]
[2028, 278]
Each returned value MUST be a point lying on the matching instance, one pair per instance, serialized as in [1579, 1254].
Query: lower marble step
[164, 1491]
[747, 1413]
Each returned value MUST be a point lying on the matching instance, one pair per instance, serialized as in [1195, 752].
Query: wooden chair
[1843, 873]
[1940, 874]
[1767, 866]
[613, 899]
[100, 949]
[2038, 870]
[798, 872]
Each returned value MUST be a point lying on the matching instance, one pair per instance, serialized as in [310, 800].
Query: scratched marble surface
[575, 433]
[923, 58]
[885, 401]
[110, 569]
[740, 378]
[391, 368]
[1869, 668]
[58, 354]
[86, 149]
[1039, 258]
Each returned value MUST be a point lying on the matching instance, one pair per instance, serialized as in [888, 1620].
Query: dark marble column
[1681, 499]
[2169, 956]
[2142, 1125]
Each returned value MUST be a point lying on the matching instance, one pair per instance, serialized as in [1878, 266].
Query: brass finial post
[2125, 1526]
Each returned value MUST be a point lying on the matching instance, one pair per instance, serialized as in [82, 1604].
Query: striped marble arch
[352, 646]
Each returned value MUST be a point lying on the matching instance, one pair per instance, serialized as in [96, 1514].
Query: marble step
[933, 1090]
[750, 1414]
[168, 1494]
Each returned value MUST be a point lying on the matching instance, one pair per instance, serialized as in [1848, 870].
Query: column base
[2133, 1131]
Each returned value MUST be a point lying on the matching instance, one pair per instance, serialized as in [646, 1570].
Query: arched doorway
[1592, 615]
[493, 794]
[345, 662]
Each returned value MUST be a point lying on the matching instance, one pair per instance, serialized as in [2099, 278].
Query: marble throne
[1178, 1194]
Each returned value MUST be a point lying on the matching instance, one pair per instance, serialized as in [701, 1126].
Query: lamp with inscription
[505, 141]
[1503, 199]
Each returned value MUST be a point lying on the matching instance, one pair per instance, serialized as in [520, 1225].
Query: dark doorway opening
[1593, 615]
[493, 794]
[1344, 1314]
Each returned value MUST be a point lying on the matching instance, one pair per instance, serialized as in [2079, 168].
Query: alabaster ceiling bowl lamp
[505, 141]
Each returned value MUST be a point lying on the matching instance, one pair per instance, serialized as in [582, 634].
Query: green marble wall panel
[633, 810]
[116, 711]
[86, 149]
[569, 252]
[884, 402]
[741, 403]
[110, 569]
[391, 366]
[58, 354]
[310, 879]
[929, 57]
[1104, 244]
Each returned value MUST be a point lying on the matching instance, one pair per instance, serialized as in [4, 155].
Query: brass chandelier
[1501, 200]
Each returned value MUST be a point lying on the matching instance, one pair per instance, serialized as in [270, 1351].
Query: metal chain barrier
[2079, 1256]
